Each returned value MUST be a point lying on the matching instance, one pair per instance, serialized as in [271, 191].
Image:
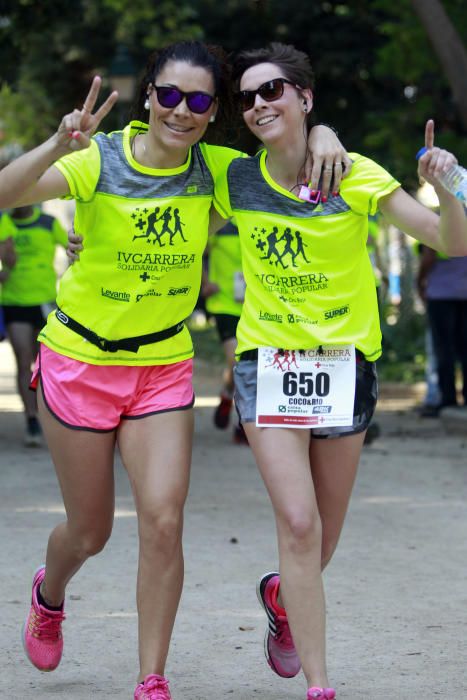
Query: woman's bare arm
[32, 178]
[446, 232]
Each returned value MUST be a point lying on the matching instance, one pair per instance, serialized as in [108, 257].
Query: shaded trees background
[378, 77]
[382, 69]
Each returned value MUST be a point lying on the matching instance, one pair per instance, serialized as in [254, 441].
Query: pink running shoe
[278, 643]
[153, 688]
[321, 694]
[42, 633]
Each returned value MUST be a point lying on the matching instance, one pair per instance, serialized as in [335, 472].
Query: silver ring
[338, 165]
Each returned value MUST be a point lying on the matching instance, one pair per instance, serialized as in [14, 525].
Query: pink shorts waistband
[97, 398]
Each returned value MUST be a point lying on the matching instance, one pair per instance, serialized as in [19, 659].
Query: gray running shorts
[366, 395]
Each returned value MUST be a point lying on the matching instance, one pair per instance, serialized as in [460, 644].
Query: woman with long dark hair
[115, 363]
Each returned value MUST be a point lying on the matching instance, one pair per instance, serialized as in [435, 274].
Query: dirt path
[396, 589]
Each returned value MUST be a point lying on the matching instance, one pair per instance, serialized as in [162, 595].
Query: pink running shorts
[97, 398]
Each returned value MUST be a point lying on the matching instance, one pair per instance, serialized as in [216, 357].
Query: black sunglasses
[197, 101]
[270, 91]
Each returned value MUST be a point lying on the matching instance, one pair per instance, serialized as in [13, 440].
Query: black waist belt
[130, 344]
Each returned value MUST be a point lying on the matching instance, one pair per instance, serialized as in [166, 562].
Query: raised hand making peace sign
[30, 178]
[77, 128]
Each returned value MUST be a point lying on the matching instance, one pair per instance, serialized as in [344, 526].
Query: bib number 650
[305, 384]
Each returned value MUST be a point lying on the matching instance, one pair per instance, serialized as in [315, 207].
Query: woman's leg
[462, 342]
[334, 464]
[84, 465]
[230, 346]
[283, 460]
[23, 342]
[156, 452]
[224, 409]
[442, 314]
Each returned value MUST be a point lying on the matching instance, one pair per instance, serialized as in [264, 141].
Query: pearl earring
[212, 118]
[146, 104]
[305, 107]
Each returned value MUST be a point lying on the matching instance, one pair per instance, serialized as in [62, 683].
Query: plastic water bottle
[454, 179]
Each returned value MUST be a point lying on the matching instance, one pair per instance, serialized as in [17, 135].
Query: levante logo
[280, 249]
[158, 226]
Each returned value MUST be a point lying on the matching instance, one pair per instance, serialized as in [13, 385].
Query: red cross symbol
[317, 364]
[321, 420]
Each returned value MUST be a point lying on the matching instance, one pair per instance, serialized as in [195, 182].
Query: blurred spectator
[28, 294]
[442, 283]
[223, 289]
[7, 261]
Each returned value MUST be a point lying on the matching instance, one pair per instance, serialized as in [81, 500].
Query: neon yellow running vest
[308, 274]
[144, 234]
[33, 280]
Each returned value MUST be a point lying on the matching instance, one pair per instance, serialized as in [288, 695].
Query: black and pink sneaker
[42, 631]
[279, 647]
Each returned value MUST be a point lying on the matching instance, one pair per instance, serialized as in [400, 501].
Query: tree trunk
[449, 49]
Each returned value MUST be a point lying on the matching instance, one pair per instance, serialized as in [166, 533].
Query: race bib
[306, 388]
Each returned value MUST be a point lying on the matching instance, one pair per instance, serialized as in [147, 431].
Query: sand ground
[396, 589]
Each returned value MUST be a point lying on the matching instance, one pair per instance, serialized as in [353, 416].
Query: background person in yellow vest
[116, 358]
[28, 295]
[7, 262]
[310, 293]
[224, 291]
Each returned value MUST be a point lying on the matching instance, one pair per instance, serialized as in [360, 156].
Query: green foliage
[378, 78]
[19, 111]
[417, 90]
[392, 369]
[57, 46]
[403, 356]
[153, 24]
